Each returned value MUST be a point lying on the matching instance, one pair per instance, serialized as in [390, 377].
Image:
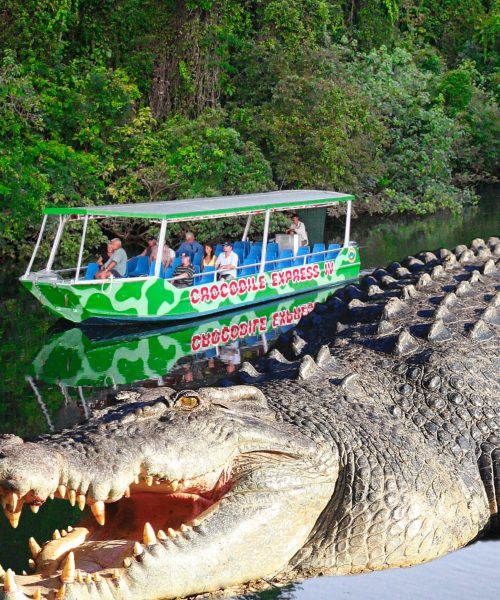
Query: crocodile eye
[188, 402]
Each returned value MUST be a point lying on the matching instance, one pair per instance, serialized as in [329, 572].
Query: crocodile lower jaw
[149, 513]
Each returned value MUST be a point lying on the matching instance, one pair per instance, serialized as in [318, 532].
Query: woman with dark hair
[208, 257]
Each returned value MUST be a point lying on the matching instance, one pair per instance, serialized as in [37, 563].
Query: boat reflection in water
[183, 355]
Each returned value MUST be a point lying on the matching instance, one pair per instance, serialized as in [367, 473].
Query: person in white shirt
[227, 262]
[168, 255]
[298, 228]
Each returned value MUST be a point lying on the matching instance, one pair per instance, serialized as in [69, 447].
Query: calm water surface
[55, 375]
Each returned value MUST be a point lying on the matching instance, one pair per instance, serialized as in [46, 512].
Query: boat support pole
[62, 222]
[161, 243]
[347, 224]
[37, 245]
[247, 228]
[82, 245]
[264, 241]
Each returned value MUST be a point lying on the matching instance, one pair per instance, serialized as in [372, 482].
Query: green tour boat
[267, 269]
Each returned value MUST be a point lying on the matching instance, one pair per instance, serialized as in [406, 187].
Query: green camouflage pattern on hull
[72, 359]
[157, 299]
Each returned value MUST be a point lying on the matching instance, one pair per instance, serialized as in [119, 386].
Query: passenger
[116, 264]
[227, 262]
[184, 272]
[105, 256]
[191, 246]
[151, 241]
[168, 255]
[298, 228]
[208, 258]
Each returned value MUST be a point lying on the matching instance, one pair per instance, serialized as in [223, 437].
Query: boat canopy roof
[210, 208]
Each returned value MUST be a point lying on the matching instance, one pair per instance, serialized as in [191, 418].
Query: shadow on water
[54, 375]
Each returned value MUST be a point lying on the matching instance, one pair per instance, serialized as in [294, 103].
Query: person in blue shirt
[190, 246]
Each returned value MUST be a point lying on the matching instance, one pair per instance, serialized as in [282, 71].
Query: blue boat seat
[273, 246]
[318, 253]
[218, 250]
[141, 267]
[176, 262]
[300, 257]
[197, 259]
[241, 254]
[132, 263]
[208, 275]
[169, 272]
[333, 251]
[285, 259]
[248, 270]
[152, 269]
[92, 269]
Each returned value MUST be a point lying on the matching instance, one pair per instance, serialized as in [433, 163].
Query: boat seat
[169, 272]
[300, 257]
[132, 263]
[176, 262]
[333, 251]
[247, 270]
[141, 267]
[92, 269]
[152, 269]
[208, 275]
[285, 259]
[318, 254]
[219, 249]
[197, 259]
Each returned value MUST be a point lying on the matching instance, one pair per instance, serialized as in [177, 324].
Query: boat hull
[156, 299]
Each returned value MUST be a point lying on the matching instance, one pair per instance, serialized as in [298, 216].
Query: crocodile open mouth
[151, 510]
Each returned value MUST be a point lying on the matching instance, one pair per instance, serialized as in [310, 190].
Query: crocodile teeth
[34, 547]
[99, 511]
[162, 535]
[62, 490]
[149, 536]
[149, 480]
[2, 571]
[171, 533]
[97, 577]
[9, 582]
[37, 594]
[34, 508]
[127, 562]
[116, 574]
[56, 535]
[10, 501]
[31, 564]
[13, 517]
[69, 570]
[126, 493]
[61, 592]
[138, 549]
[80, 500]
[174, 485]
[79, 577]
[72, 497]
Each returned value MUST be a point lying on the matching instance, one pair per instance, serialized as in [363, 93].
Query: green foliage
[134, 100]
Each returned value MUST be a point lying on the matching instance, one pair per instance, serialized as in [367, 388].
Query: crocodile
[369, 438]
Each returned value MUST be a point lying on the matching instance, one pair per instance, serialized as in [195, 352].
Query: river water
[54, 376]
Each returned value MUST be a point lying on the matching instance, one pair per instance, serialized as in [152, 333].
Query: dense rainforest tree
[131, 100]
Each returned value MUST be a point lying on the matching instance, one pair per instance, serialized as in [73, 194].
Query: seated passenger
[116, 265]
[151, 241]
[105, 256]
[168, 255]
[227, 262]
[184, 272]
[208, 258]
[190, 245]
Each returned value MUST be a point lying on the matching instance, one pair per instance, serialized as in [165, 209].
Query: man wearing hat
[227, 262]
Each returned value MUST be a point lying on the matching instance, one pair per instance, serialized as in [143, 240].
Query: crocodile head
[191, 492]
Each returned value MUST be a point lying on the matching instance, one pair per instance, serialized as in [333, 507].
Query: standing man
[191, 246]
[227, 262]
[298, 228]
[116, 264]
